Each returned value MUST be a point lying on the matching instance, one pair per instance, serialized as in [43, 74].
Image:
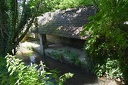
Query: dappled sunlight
[66, 23]
[26, 48]
[126, 22]
[29, 44]
[26, 53]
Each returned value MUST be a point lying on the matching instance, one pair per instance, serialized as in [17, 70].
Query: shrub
[108, 35]
[16, 73]
[110, 69]
[3, 70]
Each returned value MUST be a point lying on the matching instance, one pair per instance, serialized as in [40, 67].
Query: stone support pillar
[43, 43]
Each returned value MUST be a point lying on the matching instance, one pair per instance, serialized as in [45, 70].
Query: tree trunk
[3, 27]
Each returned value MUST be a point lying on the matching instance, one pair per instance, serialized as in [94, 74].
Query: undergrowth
[14, 72]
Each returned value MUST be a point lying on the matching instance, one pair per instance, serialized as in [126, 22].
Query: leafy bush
[50, 5]
[110, 69]
[108, 36]
[72, 3]
[3, 69]
[64, 77]
[16, 73]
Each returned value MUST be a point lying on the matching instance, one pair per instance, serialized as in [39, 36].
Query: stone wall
[71, 42]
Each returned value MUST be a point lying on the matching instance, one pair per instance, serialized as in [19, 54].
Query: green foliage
[110, 68]
[19, 18]
[56, 55]
[2, 64]
[50, 5]
[16, 73]
[64, 77]
[3, 69]
[72, 57]
[72, 3]
[108, 35]
[20, 74]
[69, 56]
[3, 25]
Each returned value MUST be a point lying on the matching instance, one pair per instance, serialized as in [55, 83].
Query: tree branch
[28, 26]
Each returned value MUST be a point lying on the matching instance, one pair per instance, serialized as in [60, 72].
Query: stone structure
[65, 24]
